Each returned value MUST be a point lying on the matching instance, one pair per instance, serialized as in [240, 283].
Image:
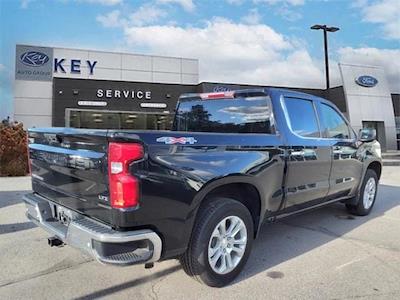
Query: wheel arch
[245, 193]
[376, 166]
[235, 187]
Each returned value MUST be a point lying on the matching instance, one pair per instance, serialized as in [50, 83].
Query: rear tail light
[124, 187]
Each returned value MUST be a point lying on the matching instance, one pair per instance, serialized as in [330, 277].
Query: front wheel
[220, 244]
[367, 196]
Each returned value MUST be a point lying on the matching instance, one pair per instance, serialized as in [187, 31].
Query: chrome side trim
[81, 232]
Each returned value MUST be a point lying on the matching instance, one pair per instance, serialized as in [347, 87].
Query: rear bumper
[98, 240]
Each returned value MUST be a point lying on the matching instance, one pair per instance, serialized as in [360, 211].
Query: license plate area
[62, 214]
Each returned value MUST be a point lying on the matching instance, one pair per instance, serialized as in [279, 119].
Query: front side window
[239, 115]
[333, 123]
[302, 117]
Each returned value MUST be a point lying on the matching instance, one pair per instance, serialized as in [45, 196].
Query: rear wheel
[220, 243]
[367, 196]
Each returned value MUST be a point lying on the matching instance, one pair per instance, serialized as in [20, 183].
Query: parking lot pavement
[322, 254]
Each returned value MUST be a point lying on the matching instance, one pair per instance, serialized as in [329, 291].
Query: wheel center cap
[224, 242]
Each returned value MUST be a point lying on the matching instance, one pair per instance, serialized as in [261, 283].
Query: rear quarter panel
[175, 178]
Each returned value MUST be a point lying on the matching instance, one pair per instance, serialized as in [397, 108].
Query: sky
[266, 42]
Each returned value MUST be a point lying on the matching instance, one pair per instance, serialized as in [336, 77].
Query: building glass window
[302, 117]
[100, 120]
[397, 119]
[118, 120]
[333, 124]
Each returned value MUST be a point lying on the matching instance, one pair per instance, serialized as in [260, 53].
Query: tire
[365, 201]
[203, 249]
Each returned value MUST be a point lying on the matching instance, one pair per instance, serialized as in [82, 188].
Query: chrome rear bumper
[128, 247]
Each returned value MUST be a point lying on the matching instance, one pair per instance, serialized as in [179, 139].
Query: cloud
[2, 67]
[281, 2]
[144, 15]
[147, 14]
[233, 52]
[25, 3]
[284, 8]
[112, 19]
[253, 17]
[359, 3]
[254, 54]
[288, 14]
[103, 2]
[187, 5]
[386, 58]
[235, 2]
[386, 13]
[247, 113]
[245, 52]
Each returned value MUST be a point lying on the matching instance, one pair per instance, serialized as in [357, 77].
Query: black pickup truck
[201, 191]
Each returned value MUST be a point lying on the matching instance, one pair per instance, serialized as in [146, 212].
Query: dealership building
[96, 89]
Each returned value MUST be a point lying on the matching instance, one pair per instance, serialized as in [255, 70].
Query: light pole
[325, 29]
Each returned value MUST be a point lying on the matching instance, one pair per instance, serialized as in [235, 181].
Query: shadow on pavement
[129, 284]
[8, 228]
[12, 197]
[299, 234]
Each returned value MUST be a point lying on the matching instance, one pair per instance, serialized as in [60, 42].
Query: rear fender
[209, 187]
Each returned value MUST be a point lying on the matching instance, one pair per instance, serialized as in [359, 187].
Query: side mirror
[367, 135]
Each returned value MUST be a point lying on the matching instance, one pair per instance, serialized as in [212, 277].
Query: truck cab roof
[256, 92]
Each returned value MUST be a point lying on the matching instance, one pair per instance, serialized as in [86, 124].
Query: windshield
[238, 115]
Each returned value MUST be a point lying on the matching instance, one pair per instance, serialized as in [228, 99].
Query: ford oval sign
[34, 58]
[221, 88]
[367, 81]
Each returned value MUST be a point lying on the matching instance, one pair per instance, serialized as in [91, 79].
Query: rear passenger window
[302, 117]
[333, 124]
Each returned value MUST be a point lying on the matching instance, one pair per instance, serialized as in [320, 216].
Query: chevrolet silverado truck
[201, 191]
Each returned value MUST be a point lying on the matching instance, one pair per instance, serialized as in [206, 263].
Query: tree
[13, 149]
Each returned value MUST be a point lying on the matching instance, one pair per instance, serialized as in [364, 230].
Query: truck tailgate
[69, 167]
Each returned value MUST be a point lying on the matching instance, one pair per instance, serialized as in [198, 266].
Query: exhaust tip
[54, 242]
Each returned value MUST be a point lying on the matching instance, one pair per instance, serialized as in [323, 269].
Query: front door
[346, 167]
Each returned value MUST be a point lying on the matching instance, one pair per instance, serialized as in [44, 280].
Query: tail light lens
[124, 187]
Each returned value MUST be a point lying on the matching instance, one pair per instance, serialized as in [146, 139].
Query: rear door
[309, 156]
[69, 166]
[346, 165]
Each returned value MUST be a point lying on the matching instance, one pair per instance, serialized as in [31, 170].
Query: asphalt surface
[322, 254]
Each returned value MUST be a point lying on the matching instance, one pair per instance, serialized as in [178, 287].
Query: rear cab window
[237, 115]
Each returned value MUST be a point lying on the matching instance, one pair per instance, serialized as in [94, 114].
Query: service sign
[34, 63]
[366, 81]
